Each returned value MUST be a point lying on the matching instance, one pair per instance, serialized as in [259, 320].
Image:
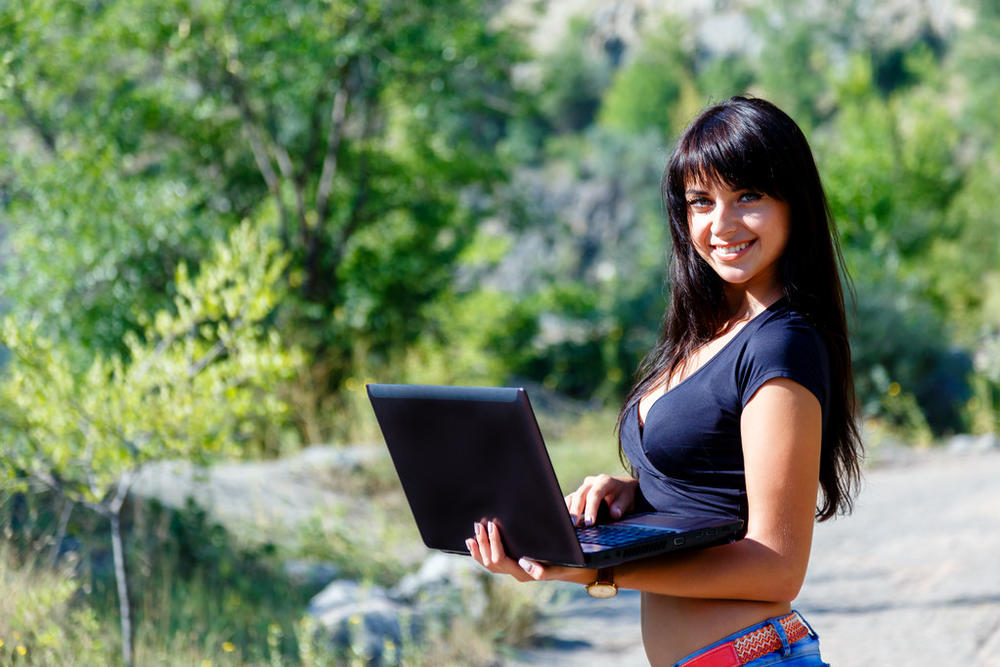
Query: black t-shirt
[689, 454]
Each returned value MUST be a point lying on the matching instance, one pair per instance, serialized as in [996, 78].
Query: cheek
[698, 231]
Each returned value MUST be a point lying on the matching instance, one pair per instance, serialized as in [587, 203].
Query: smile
[732, 250]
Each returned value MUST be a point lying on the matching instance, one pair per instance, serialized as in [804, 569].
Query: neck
[746, 304]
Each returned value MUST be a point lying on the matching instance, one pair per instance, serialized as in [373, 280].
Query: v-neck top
[689, 453]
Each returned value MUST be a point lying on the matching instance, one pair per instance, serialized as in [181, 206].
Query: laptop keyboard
[613, 535]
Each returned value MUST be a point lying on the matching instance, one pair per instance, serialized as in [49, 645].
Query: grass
[580, 444]
[202, 596]
[198, 595]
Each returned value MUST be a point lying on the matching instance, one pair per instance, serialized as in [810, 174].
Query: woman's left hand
[486, 548]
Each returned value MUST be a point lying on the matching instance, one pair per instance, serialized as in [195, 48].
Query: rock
[263, 500]
[310, 573]
[363, 621]
[973, 444]
[445, 584]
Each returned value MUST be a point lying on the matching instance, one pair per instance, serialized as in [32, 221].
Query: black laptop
[465, 454]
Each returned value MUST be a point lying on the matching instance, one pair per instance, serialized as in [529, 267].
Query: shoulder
[784, 344]
[784, 332]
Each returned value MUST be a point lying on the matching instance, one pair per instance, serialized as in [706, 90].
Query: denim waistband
[719, 648]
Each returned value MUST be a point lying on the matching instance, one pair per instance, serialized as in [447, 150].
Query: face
[741, 233]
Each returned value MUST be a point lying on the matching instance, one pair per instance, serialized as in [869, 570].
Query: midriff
[674, 627]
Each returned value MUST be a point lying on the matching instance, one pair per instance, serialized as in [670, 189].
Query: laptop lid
[465, 454]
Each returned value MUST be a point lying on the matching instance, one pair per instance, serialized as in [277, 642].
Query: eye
[699, 202]
[751, 196]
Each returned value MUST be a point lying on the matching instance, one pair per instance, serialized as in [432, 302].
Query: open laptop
[464, 454]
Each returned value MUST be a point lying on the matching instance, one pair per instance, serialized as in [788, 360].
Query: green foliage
[39, 624]
[920, 386]
[584, 323]
[356, 132]
[199, 593]
[574, 80]
[197, 384]
[656, 89]
[793, 67]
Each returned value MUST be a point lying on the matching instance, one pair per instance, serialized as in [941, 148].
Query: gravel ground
[911, 578]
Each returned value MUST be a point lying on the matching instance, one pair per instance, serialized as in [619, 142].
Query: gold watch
[604, 586]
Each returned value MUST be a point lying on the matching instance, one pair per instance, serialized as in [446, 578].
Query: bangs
[728, 150]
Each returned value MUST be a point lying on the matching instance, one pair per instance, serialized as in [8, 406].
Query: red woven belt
[750, 646]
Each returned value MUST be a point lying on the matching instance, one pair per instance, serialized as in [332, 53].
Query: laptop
[465, 454]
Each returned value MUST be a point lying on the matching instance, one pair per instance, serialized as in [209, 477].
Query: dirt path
[911, 578]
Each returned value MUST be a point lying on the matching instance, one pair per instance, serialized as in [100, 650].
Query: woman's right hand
[618, 492]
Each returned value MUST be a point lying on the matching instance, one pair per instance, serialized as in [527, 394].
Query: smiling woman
[740, 233]
[744, 409]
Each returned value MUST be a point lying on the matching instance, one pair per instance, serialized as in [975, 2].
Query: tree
[360, 134]
[655, 89]
[197, 384]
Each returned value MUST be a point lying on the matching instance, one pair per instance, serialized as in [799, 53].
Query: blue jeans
[803, 653]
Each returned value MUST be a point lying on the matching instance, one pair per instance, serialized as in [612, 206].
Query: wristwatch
[604, 586]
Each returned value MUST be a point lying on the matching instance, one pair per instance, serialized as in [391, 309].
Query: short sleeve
[789, 349]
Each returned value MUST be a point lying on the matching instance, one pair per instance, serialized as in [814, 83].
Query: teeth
[732, 249]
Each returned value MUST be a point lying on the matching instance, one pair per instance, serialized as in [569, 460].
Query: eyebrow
[693, 191]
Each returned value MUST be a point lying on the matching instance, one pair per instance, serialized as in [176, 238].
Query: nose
[723, 220]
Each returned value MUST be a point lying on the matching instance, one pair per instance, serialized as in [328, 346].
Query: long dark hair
[748, 143]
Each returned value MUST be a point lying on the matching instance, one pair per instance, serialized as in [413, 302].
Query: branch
[311, 155]
[337, 115]
[214, 353]
[355, 217]
[285, 164]
[54, 485]
[362, 190]
[34, 121]
[121, 492]
[255, 137]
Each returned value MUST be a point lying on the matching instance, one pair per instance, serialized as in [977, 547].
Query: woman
[745, 407]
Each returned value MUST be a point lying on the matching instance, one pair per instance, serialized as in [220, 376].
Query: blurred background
[219, 220]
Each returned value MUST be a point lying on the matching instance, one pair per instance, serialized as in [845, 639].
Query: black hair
[749, 143]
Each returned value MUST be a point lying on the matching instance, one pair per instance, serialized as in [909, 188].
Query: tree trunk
[67, 510]
[124, 607]
[121, 575]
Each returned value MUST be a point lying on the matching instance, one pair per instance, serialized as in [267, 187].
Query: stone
[263, 501]
[310, 573]
[965, 443]
[363, 620]
[445, 584]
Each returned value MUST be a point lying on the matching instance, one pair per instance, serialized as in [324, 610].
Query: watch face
[602, 590]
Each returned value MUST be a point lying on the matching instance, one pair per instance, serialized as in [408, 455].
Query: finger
[483, 543]
[576, 505]
[497, 553]
[473, 548]
[533, 569]
[619, 503]
[594, 499]
[625, 496]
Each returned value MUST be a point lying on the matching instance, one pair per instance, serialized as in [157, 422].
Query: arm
[781, 428]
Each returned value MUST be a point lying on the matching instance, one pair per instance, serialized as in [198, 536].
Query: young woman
[745, 408]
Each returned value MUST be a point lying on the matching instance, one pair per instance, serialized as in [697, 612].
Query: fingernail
[468, 544]
[575, 518]
[616, 511]
[589, 521]
[477, 528]
[525, 564]
[492, 526]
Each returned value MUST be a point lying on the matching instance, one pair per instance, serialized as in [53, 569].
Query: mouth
[732, 250]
